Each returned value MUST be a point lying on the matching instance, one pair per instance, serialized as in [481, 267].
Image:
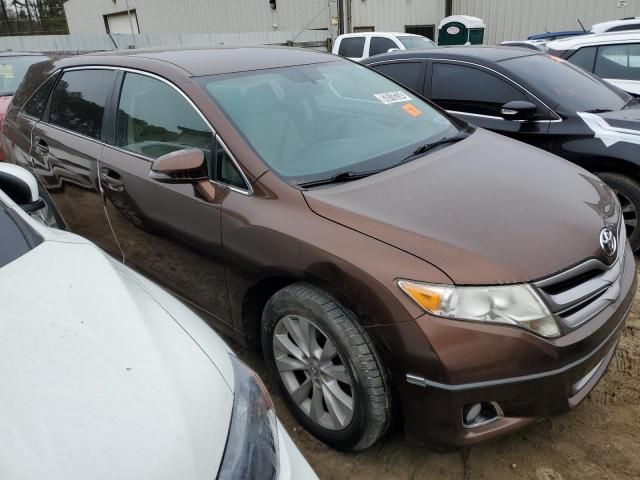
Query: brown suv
[389, 259]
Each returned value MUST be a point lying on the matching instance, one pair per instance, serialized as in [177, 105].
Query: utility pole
[129, 15]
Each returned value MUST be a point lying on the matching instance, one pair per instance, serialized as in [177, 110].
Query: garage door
[119, 22]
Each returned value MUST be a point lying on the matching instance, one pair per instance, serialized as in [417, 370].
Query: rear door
[620, 66]
[66, 149]
[477, 94]
[379, 45]
[169, 231]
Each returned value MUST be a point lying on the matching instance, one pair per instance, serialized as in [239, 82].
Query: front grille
[580, 293]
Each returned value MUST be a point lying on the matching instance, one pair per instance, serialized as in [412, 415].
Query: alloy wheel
[313, 372]
[629, 213]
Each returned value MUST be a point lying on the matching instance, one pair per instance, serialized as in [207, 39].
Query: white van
[357, 46]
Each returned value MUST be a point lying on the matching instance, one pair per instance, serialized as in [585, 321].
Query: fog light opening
[477, 414]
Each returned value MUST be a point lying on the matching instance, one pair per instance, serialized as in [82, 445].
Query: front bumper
[526, 376]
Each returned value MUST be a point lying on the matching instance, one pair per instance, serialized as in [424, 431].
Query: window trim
[431, 60]
[248, 191]
[22, 113]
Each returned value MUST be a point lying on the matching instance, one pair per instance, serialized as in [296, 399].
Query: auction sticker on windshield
[392, 97]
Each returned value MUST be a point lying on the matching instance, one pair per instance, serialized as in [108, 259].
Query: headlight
[252, 445]
[510, 304]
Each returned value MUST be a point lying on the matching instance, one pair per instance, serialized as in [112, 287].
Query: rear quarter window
[351, 47]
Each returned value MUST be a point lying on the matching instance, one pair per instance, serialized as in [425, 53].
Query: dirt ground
[598, 440]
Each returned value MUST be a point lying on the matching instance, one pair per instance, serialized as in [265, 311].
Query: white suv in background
[357, 46]
[615, 57]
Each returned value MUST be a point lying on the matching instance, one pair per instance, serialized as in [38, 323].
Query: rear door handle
[41, 146]
[111, 180]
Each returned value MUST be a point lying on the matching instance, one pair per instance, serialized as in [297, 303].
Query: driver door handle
[111, 180]
[41, 146]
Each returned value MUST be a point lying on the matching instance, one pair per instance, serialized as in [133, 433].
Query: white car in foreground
[107, 376]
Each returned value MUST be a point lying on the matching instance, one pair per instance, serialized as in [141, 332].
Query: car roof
[594, 39]
[205, 61]
[604, 26]
[467, 52]
[378, 34]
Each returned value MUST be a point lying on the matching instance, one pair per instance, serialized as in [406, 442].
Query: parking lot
[598, 440]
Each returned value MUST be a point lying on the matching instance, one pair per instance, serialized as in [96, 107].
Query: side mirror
[393, 50]
[518, 110]
[181, 166]
[21, 186]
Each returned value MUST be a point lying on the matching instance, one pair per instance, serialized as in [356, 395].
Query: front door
[169, 232]
[476, 95]
[66, 145]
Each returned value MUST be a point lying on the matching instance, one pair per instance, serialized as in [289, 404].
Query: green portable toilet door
[476, 36]
[453, 33]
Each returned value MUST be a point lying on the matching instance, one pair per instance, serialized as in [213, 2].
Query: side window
[380, 45]
[625, 27]
[408, 74]
[471, 90]
[351, 47]
[78, 101]
[619, 61]
[226, 171]
[584, 58]
[154, 119]
[35, 105]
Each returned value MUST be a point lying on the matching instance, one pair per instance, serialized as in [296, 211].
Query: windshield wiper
[340, 177]
[421, 150]
[597, 110]
[350, 175]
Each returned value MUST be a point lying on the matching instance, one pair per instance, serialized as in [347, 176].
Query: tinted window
[154, 119]
[310, 122]
[565, 85]
[78, 101]
[13, 70]
[380, 45]
[408, 74]
[584, 58]
[619, 61]
[471, 90]
[351, 47]
[16, 237]
[35, 105]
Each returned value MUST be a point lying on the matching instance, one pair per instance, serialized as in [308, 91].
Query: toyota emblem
[608, 241]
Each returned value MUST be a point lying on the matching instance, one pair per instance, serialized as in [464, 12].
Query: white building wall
[517, 19]
[393, 15]
[203, 16]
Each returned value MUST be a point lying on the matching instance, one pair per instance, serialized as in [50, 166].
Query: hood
[101, 381]
[486, 210]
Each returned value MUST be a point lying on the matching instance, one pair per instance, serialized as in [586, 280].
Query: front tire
[327, 367]
[628, 192]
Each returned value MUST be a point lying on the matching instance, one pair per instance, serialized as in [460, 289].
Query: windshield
[13, 70]
[411, 42]
[310, 122]
[571, 88]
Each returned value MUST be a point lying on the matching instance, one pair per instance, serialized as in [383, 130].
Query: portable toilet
[461, 30]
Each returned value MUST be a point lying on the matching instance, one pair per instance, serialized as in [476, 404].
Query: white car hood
[99, 380]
